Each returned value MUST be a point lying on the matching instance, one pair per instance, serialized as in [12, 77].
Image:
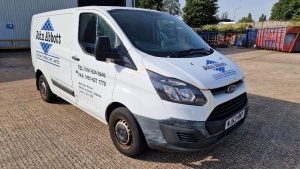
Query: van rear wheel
[126, 133]
[45, 90]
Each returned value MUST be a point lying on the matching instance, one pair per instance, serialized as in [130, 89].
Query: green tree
[225, 28]
[210, 28]
[224, 16]
[172, 7]
[200, 12]
[286, 10]
[250, 17]
[151, 4]
[246, 19]
[242, 26]
[262, 18]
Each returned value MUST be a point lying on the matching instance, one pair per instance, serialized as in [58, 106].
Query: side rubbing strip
[65, 89]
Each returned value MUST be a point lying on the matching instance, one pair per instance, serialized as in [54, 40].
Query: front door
[93, 80]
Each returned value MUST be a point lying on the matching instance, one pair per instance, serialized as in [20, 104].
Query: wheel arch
[38, 73]
[115, 105]
[111, 108]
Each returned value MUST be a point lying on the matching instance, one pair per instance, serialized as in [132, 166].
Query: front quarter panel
[135, 90]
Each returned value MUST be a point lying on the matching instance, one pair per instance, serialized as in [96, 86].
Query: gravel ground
[35, 134]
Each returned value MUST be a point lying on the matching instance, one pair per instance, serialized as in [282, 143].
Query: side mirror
[102, 48]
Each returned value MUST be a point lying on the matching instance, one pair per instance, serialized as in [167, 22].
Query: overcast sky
[255, 7]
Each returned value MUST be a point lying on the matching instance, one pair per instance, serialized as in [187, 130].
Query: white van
[145, 73]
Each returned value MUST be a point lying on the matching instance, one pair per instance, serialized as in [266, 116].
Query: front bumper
[183, 135]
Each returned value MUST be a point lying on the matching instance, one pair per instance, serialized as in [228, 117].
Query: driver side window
[90, 27]
[105, 30]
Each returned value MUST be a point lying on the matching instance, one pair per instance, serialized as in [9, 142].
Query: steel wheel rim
[122, 133]
[43, 88]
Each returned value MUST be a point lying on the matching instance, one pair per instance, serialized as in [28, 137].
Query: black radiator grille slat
[220, 115]
[228, 108]
[187, 137]
[226, 105]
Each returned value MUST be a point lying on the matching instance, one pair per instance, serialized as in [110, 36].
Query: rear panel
[51, 40]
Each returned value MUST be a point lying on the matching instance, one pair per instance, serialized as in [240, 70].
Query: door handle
[75, 58]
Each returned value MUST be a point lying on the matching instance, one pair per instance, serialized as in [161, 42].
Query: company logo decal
[48, 37]
[220, 67]
[215, 66]
[45, 46]
[47, 26]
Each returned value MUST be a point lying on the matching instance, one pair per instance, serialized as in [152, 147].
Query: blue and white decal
[9, 26]
[220, 67]
[48, 38]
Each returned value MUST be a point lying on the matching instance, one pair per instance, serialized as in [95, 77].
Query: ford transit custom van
[145, 73]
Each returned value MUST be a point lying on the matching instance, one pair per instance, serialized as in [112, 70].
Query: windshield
[156, 33]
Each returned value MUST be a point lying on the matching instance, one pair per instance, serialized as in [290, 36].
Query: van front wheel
[126, 133]
[44, 89]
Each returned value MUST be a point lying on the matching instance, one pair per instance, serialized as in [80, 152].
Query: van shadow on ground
[268, 139]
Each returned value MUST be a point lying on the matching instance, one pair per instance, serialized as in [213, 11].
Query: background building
[15, 16]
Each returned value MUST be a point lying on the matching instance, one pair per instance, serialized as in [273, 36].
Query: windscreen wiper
[190, 52]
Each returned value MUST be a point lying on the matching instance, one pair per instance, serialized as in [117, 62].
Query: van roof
[108, 8]
[99, 8]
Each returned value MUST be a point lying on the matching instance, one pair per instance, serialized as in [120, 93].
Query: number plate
[230, 122]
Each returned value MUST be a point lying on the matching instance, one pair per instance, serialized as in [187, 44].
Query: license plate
[230, 122]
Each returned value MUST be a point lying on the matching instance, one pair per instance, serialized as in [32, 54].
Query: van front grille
[228, 108]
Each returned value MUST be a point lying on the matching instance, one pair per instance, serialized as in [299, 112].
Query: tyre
[125, 133]
[45, 90]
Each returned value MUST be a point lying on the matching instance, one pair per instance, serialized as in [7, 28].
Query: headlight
[173, 90]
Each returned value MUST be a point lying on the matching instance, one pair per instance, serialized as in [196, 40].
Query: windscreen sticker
[48, 38]
[220, 67]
